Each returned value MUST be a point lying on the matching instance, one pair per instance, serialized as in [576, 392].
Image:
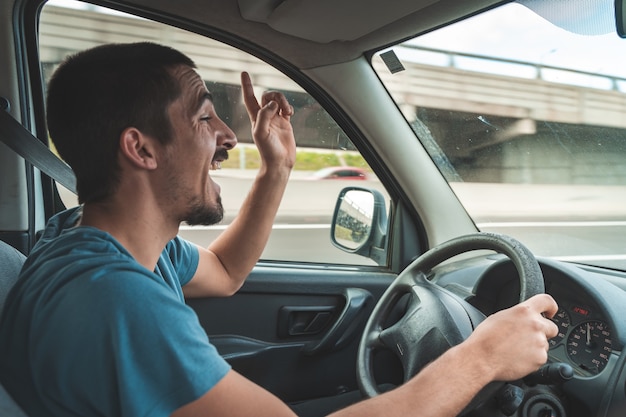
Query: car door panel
[294, 330]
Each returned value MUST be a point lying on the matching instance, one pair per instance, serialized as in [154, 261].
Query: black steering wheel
[434, 319]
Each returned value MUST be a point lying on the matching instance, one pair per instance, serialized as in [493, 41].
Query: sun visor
[584, 17]
[325, 21]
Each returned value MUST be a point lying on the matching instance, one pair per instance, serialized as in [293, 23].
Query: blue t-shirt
[88, 331]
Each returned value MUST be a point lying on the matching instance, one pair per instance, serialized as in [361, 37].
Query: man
[97, 324]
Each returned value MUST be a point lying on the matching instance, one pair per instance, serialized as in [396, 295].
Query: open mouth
[220, 156]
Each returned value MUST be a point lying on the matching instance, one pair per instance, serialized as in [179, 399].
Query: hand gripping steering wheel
[435, 319]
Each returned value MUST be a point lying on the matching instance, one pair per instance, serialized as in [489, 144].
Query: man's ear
[138, 148]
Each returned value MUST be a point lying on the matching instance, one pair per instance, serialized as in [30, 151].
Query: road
[571, 241]
[567, 241]
[565, 213]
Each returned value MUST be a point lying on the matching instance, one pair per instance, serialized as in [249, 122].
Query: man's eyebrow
[203, 98]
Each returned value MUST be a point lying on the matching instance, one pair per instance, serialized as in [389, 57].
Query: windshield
[527, 122]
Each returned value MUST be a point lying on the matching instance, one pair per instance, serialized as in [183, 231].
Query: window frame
[331, 107]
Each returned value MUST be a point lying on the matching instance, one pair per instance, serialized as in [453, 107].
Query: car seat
[11, 261]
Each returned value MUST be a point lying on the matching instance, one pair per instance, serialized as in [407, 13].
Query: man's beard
[202, 215]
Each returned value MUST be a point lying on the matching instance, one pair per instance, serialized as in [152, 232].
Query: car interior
[488, 140]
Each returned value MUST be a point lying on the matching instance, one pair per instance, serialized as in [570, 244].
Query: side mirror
[360, 223]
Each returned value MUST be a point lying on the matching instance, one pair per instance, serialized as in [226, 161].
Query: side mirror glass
[360, 223]
[353, 221]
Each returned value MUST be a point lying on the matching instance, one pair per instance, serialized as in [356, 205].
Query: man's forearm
[442, 389]
[242, 243]
[448, 384]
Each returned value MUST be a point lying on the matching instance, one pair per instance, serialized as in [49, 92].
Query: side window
[302, 227]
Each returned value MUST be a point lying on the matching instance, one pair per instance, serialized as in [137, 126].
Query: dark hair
[95, 94]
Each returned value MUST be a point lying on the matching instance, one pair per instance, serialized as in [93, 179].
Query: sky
[515, 32]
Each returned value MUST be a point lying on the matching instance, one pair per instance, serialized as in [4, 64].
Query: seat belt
[20, 140]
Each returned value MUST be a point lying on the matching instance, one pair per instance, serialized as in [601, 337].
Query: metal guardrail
[541, 71]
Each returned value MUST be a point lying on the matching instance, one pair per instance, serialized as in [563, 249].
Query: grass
[306, 160]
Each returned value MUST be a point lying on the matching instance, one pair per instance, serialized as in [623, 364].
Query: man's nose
[227, 139]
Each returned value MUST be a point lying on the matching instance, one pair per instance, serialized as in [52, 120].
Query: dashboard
[591, 320]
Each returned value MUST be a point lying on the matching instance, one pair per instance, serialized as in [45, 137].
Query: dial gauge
[562, 320]
[589, 346]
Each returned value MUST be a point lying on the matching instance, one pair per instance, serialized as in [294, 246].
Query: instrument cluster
[584, 338]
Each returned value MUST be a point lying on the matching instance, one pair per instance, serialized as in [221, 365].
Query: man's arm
[226, 263]
[235, 396]
[442, 389]
[491, 353]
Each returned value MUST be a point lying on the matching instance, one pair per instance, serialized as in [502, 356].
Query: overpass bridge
[539, 92]
[442, 101]
[437, 87]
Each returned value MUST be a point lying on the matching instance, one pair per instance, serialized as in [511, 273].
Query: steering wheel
[434, 319]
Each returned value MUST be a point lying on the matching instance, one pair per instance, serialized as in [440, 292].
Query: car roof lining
[324, 21]
[266, 23]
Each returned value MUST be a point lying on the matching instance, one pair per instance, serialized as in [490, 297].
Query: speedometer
[589, 346]
[562, 320]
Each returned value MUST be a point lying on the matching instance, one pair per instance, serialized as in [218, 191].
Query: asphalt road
[569, 241]
[572, 234]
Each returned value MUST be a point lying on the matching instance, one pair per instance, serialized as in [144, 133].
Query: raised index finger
[252, 105]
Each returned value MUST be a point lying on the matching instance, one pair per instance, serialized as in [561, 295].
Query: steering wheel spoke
[419, 337]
